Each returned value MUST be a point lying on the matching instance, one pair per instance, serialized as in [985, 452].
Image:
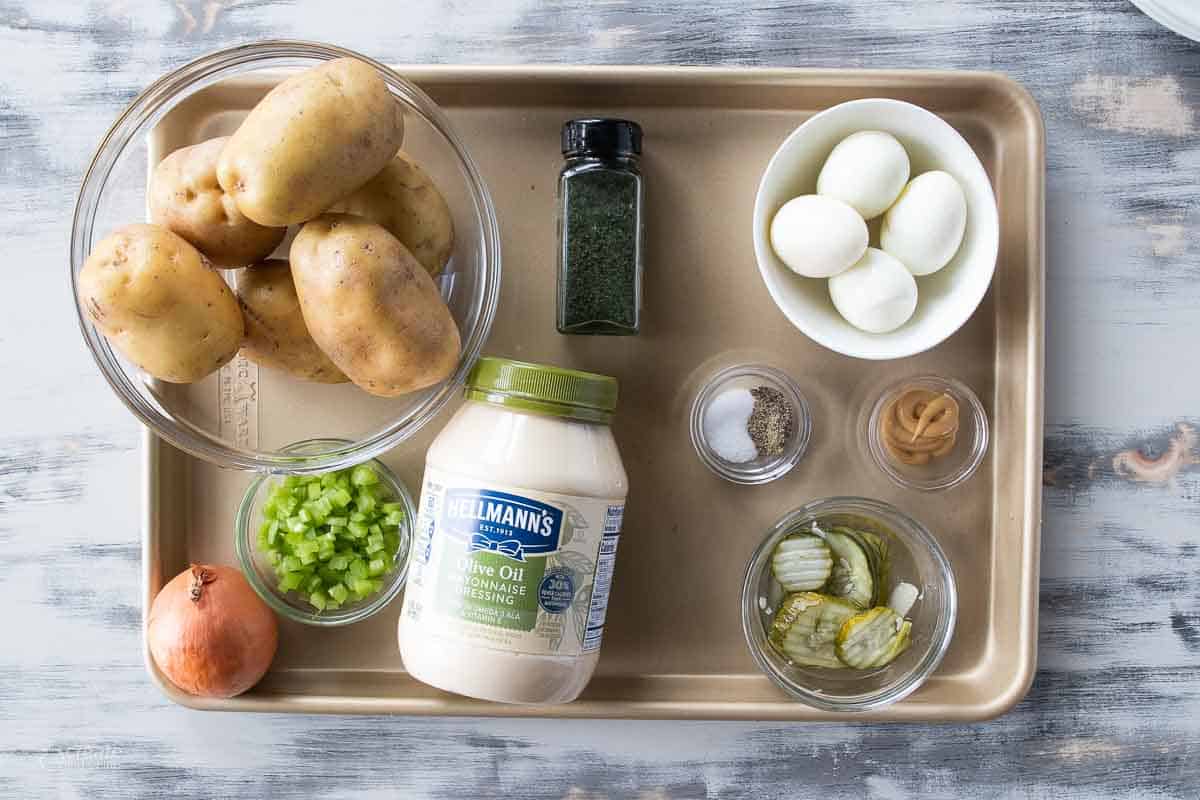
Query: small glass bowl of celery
[326, 549]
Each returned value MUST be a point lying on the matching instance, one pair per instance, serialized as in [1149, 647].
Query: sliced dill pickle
[852, 577]
[877, 551]
[873, 638]
[802, 562]
[806, 626]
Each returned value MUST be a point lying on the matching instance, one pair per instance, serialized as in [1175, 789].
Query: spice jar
[600, 228]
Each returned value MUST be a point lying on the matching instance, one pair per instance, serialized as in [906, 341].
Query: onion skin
[209, 633]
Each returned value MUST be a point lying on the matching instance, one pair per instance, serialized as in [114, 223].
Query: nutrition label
[606, 561]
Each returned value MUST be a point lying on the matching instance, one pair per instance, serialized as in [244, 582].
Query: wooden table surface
[1115, 709]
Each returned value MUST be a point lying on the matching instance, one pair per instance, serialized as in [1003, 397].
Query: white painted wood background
[1115, 709]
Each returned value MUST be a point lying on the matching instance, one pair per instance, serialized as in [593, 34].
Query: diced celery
[319, 600]
[296, 525]
[339, 561]
[357, 529]
[358, 568]
[329, 575]
[339, 592]
[291, 564]
[337, 522]
[304, 514]
[313, 583]
[392, 507]
[362, 586]
[290, 581]
[363, 475]
[394, 519]
[376, 567]
[374, 543]
[365, 502]
[291, 481]
[358, 516]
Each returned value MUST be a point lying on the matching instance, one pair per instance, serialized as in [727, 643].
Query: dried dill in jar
[600, 228]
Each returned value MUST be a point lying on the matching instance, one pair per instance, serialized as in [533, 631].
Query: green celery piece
[358, 568]
[291, 564]
[362, 586]
[329, 575]
[314, 490]
[340, 497]
[297, 525]
[394, 519]
[339, 561]
[313, 583]
[357, 529]
[291, 481]
[325, 554]
[291, 581]
[365, 502]
[391, 542]
[264, 528]
[328, 479]
[308, 558]
[274, 556]
[339, 592]
[358, 516]
[337, 522]
[293, 538]
[289, 506]
[376, 567]
[374, 543]
[304, 514]
[319, 600]
[392, 507]
[363, 475]
[375, 530]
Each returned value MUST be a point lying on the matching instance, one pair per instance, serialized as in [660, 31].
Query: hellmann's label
[523, 571]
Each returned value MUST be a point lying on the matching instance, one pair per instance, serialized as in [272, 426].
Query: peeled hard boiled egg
[876, 295]
[867, 170]
[818, 236]
[925, 226]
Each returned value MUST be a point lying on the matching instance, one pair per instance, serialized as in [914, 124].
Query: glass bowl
[213, 419]
[954, 467]
[261, 574]
[915, 558]
[761, 469]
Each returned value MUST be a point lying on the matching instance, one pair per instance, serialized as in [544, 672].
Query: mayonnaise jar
[520, 512]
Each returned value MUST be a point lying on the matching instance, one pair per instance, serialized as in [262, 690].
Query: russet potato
[159, 303]
[185, 196]
[276, 335]
[312, 140]
[404, 199]
[371, 306]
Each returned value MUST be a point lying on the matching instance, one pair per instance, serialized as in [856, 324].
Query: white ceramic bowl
[948, 297]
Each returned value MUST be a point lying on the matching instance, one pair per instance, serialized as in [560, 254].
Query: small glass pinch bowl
[762, 469]
[915, 558]
[261, 574]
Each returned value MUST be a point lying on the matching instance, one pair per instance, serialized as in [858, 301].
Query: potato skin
[372, 307]
[276, 335]
[185, 196]
[312, 140]
[160, 304]
[405, 200]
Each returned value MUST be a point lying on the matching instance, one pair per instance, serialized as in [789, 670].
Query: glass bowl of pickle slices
[848, 604]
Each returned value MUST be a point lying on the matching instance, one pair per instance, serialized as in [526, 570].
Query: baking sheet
[673, 645]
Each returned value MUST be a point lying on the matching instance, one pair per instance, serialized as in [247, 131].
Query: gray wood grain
[1115, 709]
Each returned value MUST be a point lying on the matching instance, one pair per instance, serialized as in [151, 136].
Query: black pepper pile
[771, 422]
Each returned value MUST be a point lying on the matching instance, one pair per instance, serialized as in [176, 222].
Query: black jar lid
[601, 137]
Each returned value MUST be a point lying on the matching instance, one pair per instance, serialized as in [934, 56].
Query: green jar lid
[543, 389]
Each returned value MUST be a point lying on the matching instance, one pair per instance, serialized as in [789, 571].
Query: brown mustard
[919, 425]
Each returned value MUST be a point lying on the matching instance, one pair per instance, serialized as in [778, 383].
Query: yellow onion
[209, 633]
